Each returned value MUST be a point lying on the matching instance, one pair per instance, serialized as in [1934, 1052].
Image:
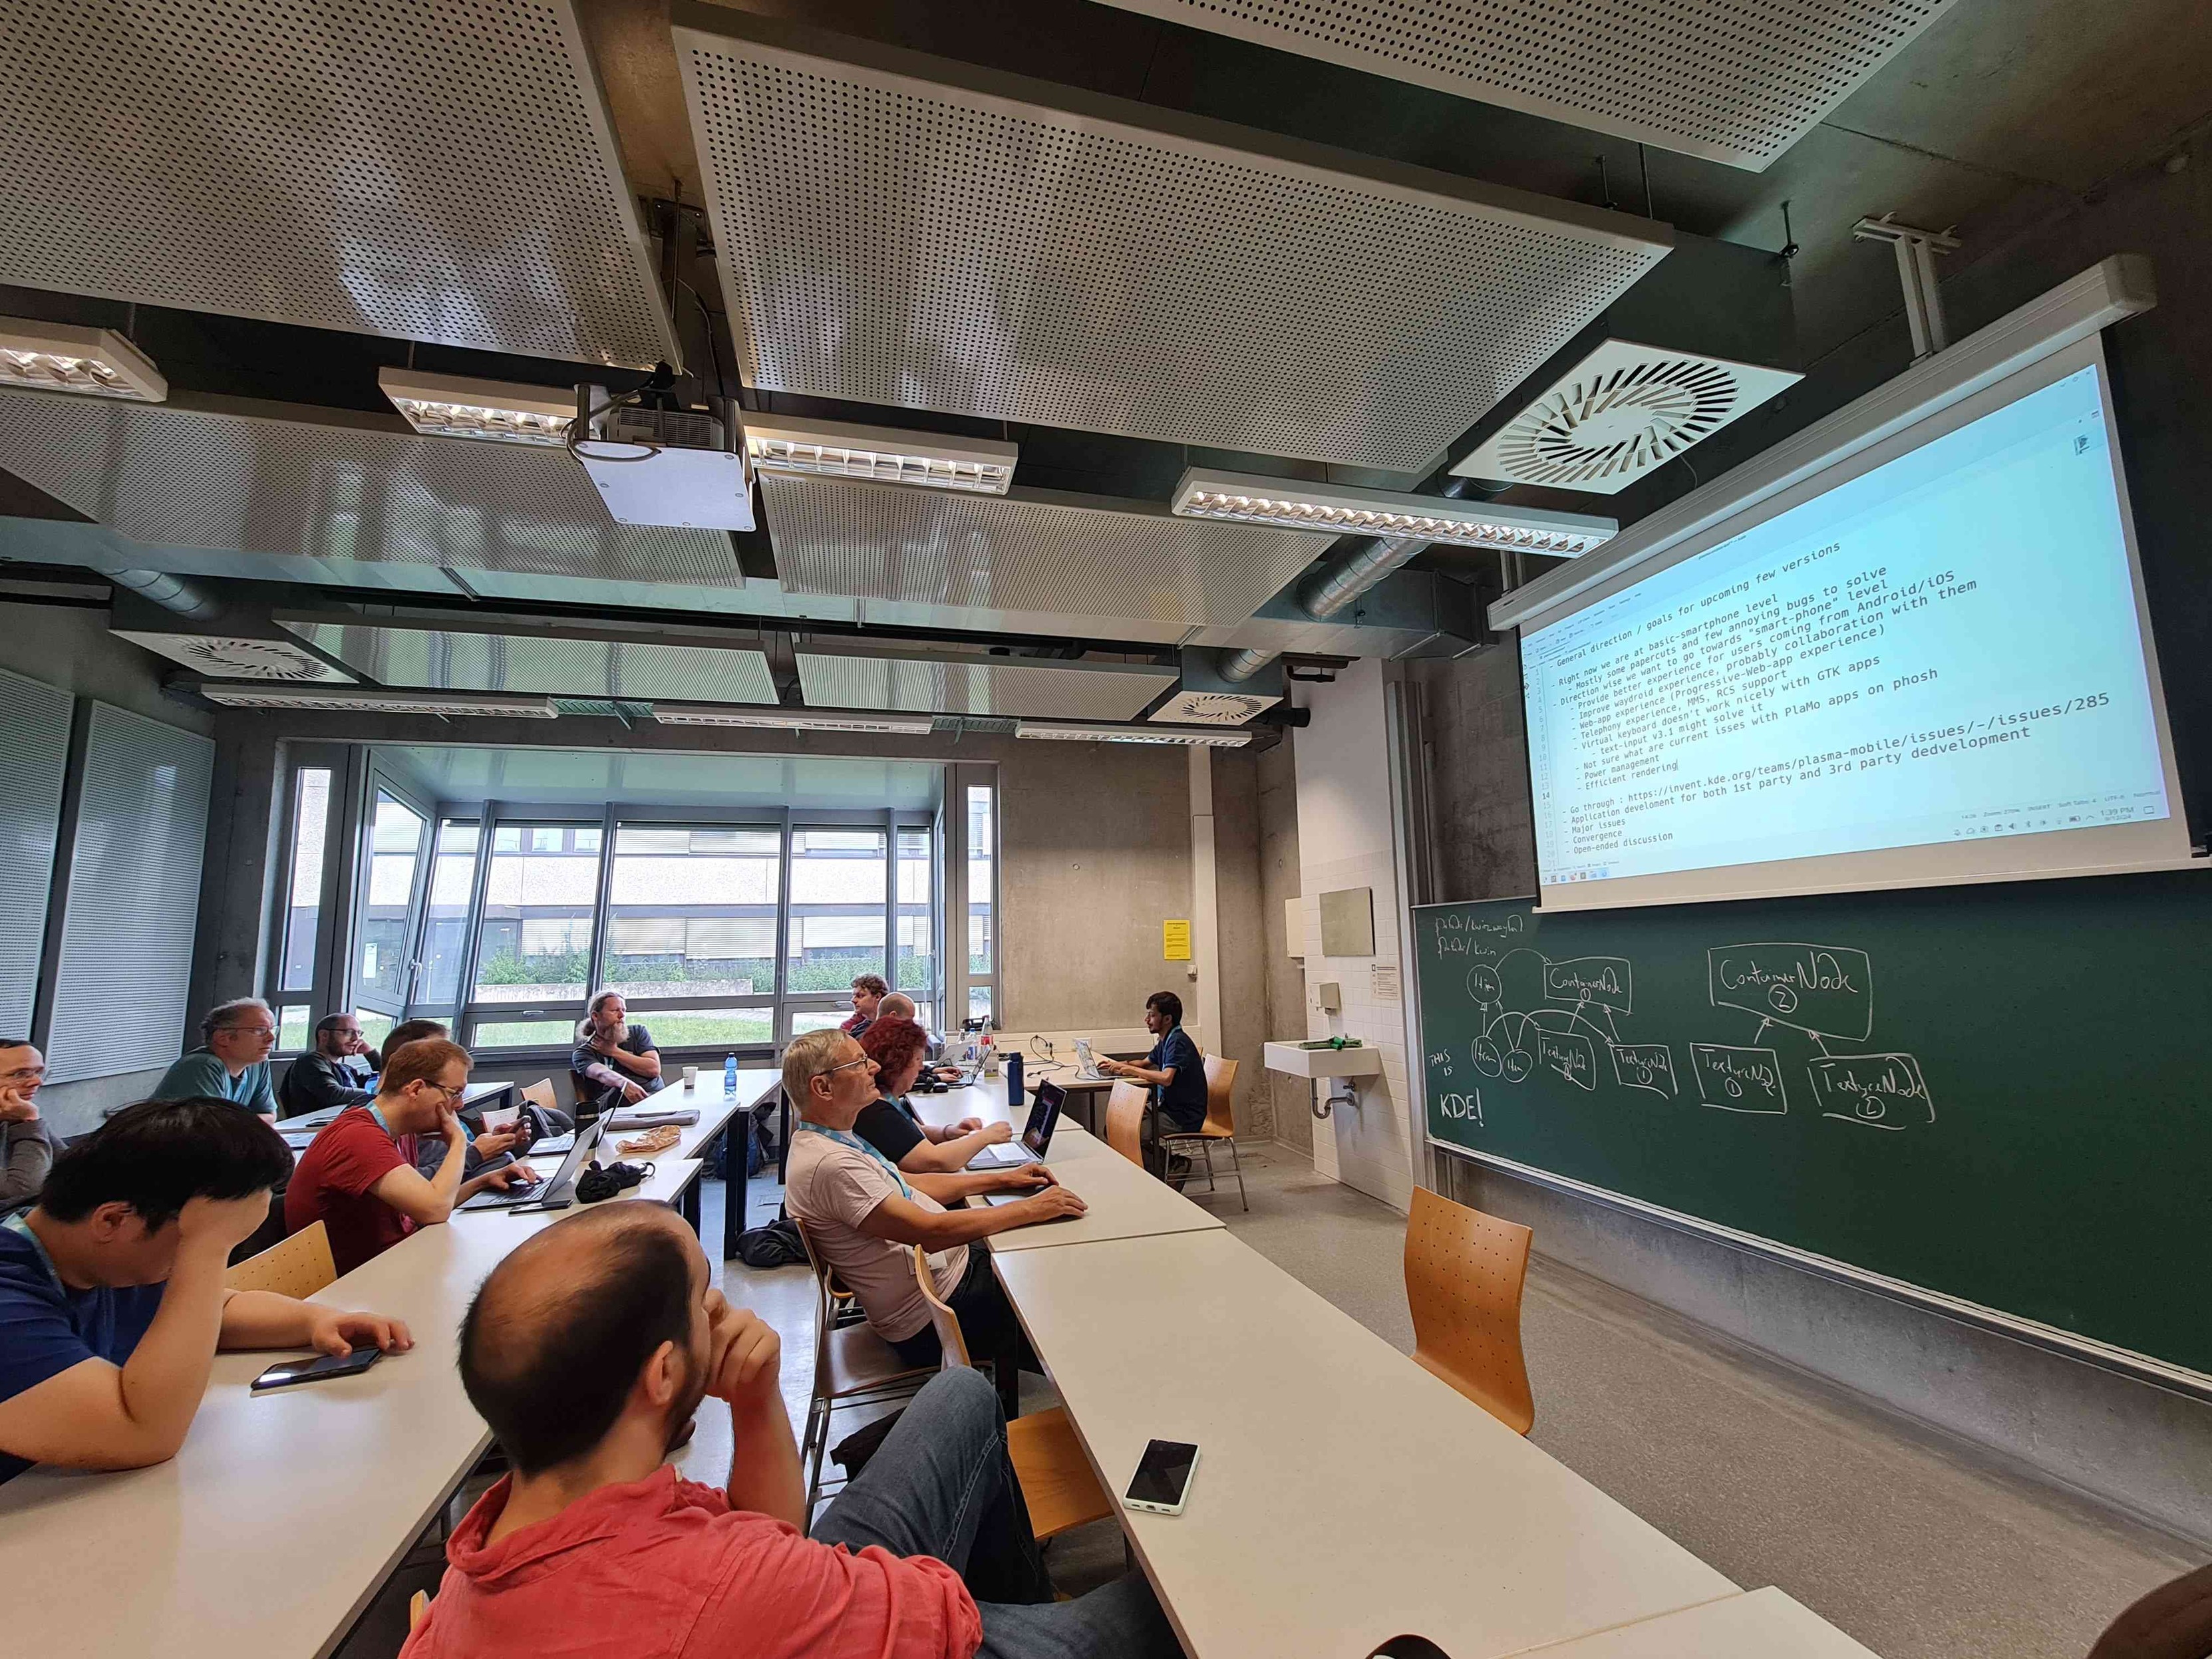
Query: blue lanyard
[858, 1146]
[377, 1112]
[16, 1224]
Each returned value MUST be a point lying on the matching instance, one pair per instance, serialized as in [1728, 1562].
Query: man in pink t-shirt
[587, 1350]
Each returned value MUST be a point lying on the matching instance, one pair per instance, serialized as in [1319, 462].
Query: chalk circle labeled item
[1482, 982]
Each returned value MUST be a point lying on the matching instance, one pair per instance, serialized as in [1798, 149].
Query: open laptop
[1035, 1136]
[560, 1192]
[1086, 1063]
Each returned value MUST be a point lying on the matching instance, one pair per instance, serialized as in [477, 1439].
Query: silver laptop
[1086, 1064]
[560, 1192]
[1036, 1137]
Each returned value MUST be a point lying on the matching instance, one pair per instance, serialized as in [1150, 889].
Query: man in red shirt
[358, 1176]
[587, 1350]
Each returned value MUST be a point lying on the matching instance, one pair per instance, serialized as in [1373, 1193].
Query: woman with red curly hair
[899, 1049]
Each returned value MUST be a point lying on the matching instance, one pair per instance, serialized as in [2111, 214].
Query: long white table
[284, 1513]
[1125, 1202]
[1343, 1496]
[1762, 1624]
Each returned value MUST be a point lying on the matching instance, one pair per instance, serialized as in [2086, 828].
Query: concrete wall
[1347, 839]
[2139, 1448]
[70, 646]
[1094, 840]
[1240, 930]
[1283, 982]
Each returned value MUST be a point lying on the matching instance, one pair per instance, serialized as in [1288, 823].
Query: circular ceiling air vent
[1211, 708]
[1621, 411]
[235, 658]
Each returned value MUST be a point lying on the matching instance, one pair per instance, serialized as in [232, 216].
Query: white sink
[1290, 1059]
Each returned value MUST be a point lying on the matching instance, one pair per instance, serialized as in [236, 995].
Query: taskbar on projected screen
[2136, 807]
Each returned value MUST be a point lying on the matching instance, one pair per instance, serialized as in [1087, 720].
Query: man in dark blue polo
[1174, 1071]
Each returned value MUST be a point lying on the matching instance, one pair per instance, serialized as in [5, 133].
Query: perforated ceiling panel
[1728, 81]
[989, 685]
[456, 660]
[1031, 550]
[429, 169]
[918, 233]
[171, 476]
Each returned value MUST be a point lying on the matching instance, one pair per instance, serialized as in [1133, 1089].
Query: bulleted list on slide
[1946, 647]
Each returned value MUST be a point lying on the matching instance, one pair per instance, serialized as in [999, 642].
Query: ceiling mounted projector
[680, 467]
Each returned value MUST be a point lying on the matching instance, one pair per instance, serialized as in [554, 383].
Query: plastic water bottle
[1014, 1079]
[729, 1074]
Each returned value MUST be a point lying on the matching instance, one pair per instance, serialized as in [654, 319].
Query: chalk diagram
[1805, 998]
[1565, 1037]
[1813, 994]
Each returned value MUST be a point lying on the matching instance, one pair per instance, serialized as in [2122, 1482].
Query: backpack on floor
[776, 1245]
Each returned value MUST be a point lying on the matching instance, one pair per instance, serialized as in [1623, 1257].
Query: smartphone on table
[321, 1369]
[1163, 1477]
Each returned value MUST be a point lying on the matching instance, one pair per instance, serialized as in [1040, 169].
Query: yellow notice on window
[1175, 940]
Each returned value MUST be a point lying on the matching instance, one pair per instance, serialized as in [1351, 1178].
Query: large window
[534, 944]
[983, 911]
[721, 933]
[691, 912]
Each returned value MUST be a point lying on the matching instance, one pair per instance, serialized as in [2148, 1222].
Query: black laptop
[560, 1192]
[1035, 1136]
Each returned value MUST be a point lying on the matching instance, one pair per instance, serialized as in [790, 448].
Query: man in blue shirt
[1175, 1070]
[111, 1295]
[232, 1062]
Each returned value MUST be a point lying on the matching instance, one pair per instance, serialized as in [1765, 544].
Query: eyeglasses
[844, 1065]
[443, 1091]
[26, 1074]
[251, 1031]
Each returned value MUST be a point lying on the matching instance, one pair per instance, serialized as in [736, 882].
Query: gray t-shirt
[832, 1188]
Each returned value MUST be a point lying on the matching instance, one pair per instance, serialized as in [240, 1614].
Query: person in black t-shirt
[614, 1062]
[899, 1048]
[1174, 1071]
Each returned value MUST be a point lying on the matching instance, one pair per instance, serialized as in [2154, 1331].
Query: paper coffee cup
[690, 1075]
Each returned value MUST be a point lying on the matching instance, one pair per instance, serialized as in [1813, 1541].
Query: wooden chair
[1220, 1126]
[1464, 1271]
[540, 1095]
[1125, 1121]
[852, 1366]
[1058, 1486]
[299, 1267]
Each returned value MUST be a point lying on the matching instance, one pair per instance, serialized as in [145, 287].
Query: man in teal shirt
[232, 1062]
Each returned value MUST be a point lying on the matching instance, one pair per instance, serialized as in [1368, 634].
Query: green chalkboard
[2001, 1093]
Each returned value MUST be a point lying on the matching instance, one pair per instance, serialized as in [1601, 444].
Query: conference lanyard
[16, 1224]
[858, 1146]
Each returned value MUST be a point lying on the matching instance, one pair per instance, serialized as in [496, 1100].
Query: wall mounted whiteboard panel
[133, 894]
[34, 728]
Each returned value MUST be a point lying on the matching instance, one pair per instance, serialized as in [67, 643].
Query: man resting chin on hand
[112, 1296]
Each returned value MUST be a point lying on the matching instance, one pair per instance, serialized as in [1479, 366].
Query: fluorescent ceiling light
[1155, 734]
[450, 406]
[789, 443]
[59, 357]
[375, 699]
[788, 720]
[1287, 503]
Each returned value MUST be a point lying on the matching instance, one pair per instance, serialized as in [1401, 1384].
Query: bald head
[557, 1336]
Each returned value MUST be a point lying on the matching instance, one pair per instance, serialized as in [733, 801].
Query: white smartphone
[1163, 1477]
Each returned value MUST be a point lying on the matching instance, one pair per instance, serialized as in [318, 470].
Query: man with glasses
[358, 1177]
[27, 1150]
[231, 1063]
[326, 1078]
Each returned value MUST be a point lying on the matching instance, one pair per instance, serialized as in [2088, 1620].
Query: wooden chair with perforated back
[299, 1267]
[1125, 1121]
[1464, 1271]
[1058, 1486]
[852, 1366]
[540, 1095]
[1220, 1126]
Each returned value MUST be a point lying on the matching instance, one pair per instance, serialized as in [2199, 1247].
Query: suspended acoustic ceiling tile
[949, 684]
[558, 666]
[1029, 551]
[171, 475]
[906, 230]
[427, 169]
[1716, 78]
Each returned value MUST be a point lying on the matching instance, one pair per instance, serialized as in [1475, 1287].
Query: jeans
[941, 1486]
[988, 1326]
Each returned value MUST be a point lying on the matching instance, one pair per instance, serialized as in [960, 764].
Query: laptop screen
[1044, 1117]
